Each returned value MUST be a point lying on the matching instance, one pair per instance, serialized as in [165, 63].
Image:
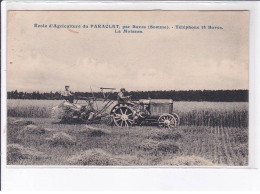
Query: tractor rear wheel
[123, 115]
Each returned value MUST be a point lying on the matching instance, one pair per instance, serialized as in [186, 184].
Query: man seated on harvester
[67, 95]
[84, 110]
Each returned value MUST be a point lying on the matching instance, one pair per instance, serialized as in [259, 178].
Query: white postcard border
[140, 178]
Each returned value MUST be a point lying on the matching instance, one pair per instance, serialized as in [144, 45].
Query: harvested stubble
[242, 150]
[98, 157]
[95, 132]
[61, 139]
[221, 144]
[164, 135]
[32, 129]
[31, 135]
[154, 146]
[22, 122]
[240, 136]
[17, 152]
[186, 161]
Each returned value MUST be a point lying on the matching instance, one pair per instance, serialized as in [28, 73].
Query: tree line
[190, 95]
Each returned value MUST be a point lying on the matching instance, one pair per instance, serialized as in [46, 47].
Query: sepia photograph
[128, 88]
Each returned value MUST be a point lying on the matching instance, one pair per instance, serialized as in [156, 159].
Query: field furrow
[226, 152]
[233, 157]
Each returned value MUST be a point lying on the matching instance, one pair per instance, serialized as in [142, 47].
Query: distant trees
[191, 95]
[196, 95]
[34, 95]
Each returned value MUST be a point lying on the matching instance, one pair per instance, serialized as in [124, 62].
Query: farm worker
[90, 110]
[67, 94]
[121, 96]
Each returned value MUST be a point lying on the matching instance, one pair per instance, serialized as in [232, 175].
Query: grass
[69, 144]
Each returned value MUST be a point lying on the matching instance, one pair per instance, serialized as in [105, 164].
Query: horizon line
[139, 90]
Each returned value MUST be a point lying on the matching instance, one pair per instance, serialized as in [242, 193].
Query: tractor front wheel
[178, 121]
[167, 121]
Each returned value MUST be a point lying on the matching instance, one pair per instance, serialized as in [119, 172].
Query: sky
[47, 59]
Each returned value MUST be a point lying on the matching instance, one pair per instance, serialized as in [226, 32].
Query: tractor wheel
[123, 115]
[178, 120]
[167, 121]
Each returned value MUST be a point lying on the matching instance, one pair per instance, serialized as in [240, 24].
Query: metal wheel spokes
[123, 116]
[167, 121]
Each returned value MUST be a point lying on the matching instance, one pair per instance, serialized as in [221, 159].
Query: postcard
[128, 88]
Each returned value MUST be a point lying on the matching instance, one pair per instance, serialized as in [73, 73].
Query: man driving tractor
[121, 96]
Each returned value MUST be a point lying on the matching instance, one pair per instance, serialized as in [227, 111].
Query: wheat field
[211, 134]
